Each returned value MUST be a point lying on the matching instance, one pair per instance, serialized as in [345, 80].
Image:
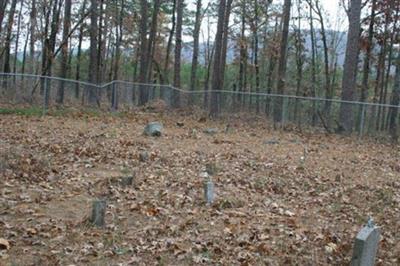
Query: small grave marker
[126, 181]
[208, 188]
[98, 213]
[153, 129]
[366, 245]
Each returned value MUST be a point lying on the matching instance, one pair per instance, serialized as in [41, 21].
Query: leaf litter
[299, 201]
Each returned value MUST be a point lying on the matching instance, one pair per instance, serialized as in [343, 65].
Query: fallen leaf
[4, 244]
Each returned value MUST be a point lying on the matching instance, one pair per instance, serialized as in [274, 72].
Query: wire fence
[377, 120]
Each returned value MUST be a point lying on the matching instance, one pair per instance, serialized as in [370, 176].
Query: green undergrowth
[37, 111]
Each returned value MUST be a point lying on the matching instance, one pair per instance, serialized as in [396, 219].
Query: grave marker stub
[366, 246]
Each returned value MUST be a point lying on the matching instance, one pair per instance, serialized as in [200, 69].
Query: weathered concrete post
[98, 213]
[366, 245]
[208, 188]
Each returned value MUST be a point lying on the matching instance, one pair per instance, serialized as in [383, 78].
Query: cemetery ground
[281, 197]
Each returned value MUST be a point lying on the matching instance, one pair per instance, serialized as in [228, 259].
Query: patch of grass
[31, 111]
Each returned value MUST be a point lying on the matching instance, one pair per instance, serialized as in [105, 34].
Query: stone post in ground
[98, 213]
[366, 245]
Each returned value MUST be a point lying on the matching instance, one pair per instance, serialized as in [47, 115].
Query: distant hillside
[187, 50]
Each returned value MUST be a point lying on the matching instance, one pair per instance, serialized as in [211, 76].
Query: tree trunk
[7, 42]
[64, 50]
[256, 66]
[152, 39]
[3, 5]
[367, 60]
[299, 44]
[393, 123]
[169, 44]
[243, 54]
[79, 53]
[224, 45]
[208, 56]
[143, 53]
[195, 57]
[24, 53]
[216, 75]
[33, 37]
[328, 89]
[17, 38]
[313, 67]
[271, 66]
[93, 53]
[119, 38]
[349, 81]
[393, 34]
[282, 62]
[178, 50]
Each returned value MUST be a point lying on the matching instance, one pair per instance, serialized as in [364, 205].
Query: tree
[93, 76]
[178, 51]
[169, 43]
[367, 58]
[396, 102]
[7, 45]
[32, 34]
[79, 52]
[17, 37]
[3, 5]
[117, 59]
[64, 50]
[143, 52]
[282, 61]
[350, 66]
[195, 57]
[220, 45]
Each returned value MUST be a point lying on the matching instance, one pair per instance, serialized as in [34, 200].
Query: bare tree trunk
[380, 77]
[178, 49]
[3, 5]
[299, 44]
[169, 44]
[79, 53]
[101, 41]
[393, 123]
[119, 38]
[50, 42]
[7, 42]
[33, 38]
[143, 52]
[328, 89]
[208, 56]
[271, 66]
[216, 76]
[64, 50]
[17, 38]
[243, 55]
[367, 60]
[393, 35]
[224, 46]
[282, 62]
[152, 38]
[313, 67]
[256, 66]
[93, 57]
[349, 81]
[195, 58]
[24, 53]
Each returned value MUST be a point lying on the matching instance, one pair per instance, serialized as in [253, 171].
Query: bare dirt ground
[282, 198]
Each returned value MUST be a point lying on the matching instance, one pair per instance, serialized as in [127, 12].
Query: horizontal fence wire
[374, 119]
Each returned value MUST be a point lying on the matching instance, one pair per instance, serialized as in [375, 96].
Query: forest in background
[272, 47]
